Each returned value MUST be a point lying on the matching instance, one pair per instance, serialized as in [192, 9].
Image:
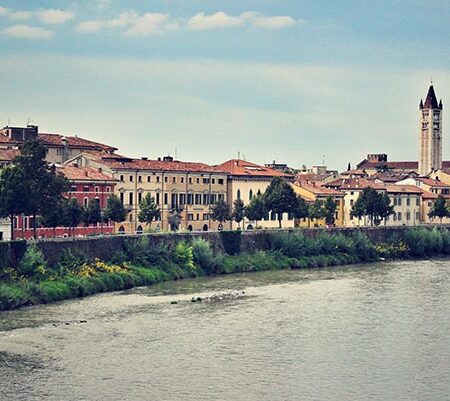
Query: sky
[294, 81]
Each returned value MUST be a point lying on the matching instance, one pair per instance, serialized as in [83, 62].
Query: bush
[136, 251]
[71, 261]
[183, 255]
[231, 241]
[33, 264]
[204, 256]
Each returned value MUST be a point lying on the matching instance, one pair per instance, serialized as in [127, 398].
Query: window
[190, 180]
[205, 180]
[417, 201]
[182, 180]
[198, 180]
[205, 216]
[273, 216]
[399, 216]
[198, 199]
[139, 178]
[121, 197]
[190, 217]
[86, 200]
[352, 202]
[174, 180]
[86, 188]
[182, 199]
[213, 180]
[73, 188]
[220, 181]
[139, 197]
[130, 197]
[165, 179]
[408, 202]
[408, 216]
[149, 178]
[158, 178]
[97, 189]
[205, 199]
[197, 216]
[158, 198]
[108, 189]
[190, 199]
[399, 202]
[213, 199]
[131, 178]
[166, 198]
[174, 200]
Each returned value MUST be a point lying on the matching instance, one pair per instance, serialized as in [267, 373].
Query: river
[369, 332]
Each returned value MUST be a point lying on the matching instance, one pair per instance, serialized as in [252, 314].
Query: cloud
[278, 22]
[150, 24]
[3, 11]
[27, 32]
[90, 26]
[218, 20]
[54, 16]
[21, 15]
[124, 19]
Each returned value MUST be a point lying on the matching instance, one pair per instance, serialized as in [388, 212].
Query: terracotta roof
[319, 190]
[310, 177]
[432, 183]
[74, 173]
[8, 154]
[428, 195]
[73, 141]
[4, 139]
[354, 183]
[410, 189]
[248, 169]
[160, 165]
[402, 165]
[431, 100]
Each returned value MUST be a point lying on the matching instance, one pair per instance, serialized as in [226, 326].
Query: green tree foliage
[238, 211]
[148, 210]
[221, 211]
[73, 213]
[330, 207]
[439, 209]
[374, 205]
[92, 213]
[31, 186]
[256, 210]
[317, 210]
[301, 210]
[280, 198]
[114, 210]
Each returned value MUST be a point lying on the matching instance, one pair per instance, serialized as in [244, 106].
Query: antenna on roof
[239, 155]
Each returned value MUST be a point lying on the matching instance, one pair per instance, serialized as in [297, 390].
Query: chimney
[100, 170]
[85, 173]
[65, 153]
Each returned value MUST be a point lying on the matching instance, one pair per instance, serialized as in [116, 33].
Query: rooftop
[75, 173]
[244, 168]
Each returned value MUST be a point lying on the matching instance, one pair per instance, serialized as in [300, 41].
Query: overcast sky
[288, 80]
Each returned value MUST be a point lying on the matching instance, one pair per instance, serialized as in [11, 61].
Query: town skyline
[269, 92]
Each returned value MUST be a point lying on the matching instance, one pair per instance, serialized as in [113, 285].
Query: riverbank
[140, 263]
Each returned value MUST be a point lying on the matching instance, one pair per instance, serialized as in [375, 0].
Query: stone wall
[105, 247]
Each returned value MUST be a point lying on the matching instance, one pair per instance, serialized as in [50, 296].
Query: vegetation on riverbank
[139, 263]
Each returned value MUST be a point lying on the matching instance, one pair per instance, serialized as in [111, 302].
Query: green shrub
[184, 256]
[204, 256]
[231, 241]
[136, 250]
[71, 261]
[364, 250]
[33, 264]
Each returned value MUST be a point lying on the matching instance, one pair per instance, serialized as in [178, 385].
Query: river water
[370, 332]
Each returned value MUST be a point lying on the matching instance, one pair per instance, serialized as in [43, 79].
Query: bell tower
[430, 137]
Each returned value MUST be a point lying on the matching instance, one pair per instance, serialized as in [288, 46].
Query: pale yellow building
[245, 180]
[191, 188]
[311, 192]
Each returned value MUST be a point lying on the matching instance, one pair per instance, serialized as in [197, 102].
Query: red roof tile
[73, 141]
[248, 169]
[8, 154]
[354, 183]
[432, 183]
[160, 165]
[410, 189]
[319, 190]
[74, 173]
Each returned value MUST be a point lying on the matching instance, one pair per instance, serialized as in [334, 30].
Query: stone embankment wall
[104, 247]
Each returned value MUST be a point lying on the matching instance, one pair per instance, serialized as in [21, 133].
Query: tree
[53, 216]
[148, 210]
[114, 210]
[92, 213]
[221, 211]
[317, 210]
[330, 210]
[175, 219]
[14, 193]
[385, 209]
[32, 182]
[302, 209]
[238, 211]
[73, 213]
[256, 210]
[439, 209]
[280, 198]
[358, 209]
